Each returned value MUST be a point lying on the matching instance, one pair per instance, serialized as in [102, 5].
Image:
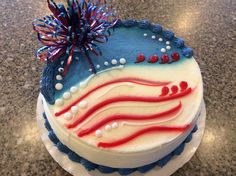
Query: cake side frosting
[104, 169]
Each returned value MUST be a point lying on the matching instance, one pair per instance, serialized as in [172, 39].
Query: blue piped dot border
[158, 29]
[89, 166]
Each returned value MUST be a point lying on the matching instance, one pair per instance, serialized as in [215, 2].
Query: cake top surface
[118, 103]
[137, 90]
[76, 41]
[124, 47]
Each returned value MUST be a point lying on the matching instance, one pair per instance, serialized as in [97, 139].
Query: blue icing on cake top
[125, 42]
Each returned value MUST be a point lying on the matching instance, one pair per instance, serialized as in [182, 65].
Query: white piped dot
[61, 70]
[98, 133]
[59, 77]
[58, 86]
[122, 61]
[106, 63]
[167, 42]
[66, 95]
[73, 89]
[62, 62]
[145, 34]
[163, 50]
[90, 69]
[59, 102]
[83, 84]
[114, 125]
[74, 109]
[153, 37]
[114, 61]
[98, 66]
[108, 127]
[83, 104]
[160, 39]
[77, 58]
[68, 115]
[168, 47]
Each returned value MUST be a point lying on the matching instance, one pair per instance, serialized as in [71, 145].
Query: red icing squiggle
[130, 80]
[163, 114]
[142, 132]
[128, 98]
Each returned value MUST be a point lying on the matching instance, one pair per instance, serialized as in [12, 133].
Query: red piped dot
[153, 59]
[175, 56]
[164, 91]
[140, 58]
[174, 89]
[165, 59]
[183, 85]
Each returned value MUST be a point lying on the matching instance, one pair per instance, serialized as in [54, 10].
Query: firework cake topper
[76, 28]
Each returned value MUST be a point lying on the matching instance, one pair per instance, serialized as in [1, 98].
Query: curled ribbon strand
[80, 26]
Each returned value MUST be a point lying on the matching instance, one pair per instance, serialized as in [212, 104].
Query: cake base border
[77, 169]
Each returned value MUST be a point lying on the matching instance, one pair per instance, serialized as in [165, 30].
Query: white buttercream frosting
[146, 148]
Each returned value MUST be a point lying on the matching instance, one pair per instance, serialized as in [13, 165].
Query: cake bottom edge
[89, 166]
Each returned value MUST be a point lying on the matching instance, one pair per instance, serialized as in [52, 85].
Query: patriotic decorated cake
[118, 95]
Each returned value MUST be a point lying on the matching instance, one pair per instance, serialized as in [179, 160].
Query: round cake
[125, 103]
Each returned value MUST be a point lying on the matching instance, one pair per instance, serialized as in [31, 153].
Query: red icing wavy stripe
[142, 132]
[130, 80]
[163, 114]
[128, 98]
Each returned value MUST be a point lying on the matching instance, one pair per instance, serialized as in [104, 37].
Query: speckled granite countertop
[209, 26]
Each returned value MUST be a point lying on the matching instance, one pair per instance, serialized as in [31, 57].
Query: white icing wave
[84, 83]
[115, 86]
[119, 106]
[151, 123]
